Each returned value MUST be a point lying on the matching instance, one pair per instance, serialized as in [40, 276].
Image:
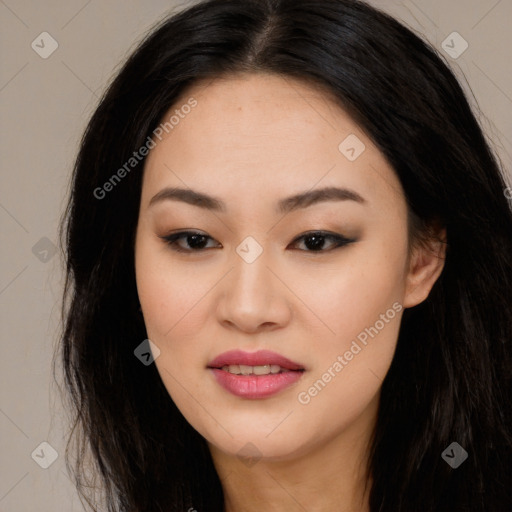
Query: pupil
[318, 241]
[194, 244]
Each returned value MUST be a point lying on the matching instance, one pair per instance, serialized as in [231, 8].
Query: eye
[314, 241]
[196, 241]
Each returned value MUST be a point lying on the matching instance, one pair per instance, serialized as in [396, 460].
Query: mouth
[264, 361]
[265, 369]
[255, 375]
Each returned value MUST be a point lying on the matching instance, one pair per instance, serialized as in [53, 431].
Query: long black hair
[450, 379]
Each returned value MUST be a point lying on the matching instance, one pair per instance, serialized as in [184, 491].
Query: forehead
[259, 132]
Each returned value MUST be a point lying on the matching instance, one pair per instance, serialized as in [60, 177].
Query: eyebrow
[286, 205]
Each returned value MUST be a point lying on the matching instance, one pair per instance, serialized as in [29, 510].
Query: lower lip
[255, 386]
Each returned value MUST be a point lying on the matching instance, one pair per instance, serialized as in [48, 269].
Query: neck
[330, 475]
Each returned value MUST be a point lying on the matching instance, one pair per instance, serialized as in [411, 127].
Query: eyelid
[326, 234]
[173, 237]
[338, 238]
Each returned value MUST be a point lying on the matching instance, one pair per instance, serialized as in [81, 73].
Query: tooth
[235, 368]
[245, 370]
[261, 370]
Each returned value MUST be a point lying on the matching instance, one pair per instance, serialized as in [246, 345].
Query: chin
[249, 448]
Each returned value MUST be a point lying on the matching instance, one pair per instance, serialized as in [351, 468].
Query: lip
[259, 358]
[255, 386]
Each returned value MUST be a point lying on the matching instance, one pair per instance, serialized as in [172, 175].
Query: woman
[288, 272]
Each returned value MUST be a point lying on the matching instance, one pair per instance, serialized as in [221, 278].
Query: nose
[253, 297]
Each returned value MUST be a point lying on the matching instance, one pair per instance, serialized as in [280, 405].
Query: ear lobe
[426, 264]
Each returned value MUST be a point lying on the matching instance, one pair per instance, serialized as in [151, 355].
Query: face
[300, 249]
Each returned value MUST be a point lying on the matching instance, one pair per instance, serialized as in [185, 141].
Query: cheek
[363, 308]
[360, 304]
[351, 296]
[169, 293]
[171, 305]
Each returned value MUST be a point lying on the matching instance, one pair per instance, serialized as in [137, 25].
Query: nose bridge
[251, 279]
[252, 296]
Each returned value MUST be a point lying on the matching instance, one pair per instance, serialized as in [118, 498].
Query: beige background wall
[45, 103]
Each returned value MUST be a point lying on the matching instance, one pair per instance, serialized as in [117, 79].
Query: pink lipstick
[255, 375]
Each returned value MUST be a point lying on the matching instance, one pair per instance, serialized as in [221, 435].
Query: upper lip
[259, 358]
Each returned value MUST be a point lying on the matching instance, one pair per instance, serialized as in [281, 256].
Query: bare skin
[251, 141]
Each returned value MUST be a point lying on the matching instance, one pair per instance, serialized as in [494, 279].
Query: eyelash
[339, 239]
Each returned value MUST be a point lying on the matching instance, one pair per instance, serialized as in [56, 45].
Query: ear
[425, 266]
